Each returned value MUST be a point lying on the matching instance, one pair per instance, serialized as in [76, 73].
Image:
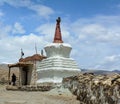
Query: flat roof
[20, 64]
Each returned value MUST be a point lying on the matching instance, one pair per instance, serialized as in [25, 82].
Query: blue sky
[92, 27]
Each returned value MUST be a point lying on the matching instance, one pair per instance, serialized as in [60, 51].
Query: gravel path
[55, 96]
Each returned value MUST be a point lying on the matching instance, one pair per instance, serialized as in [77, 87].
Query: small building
[27, 69]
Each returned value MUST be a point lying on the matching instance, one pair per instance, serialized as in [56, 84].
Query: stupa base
[55, 75]
[54, 69]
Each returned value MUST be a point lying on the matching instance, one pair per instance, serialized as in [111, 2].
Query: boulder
[95, 89]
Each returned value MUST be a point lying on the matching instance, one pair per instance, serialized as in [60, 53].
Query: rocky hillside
[99, 71]
[95, 89]
[4, 73]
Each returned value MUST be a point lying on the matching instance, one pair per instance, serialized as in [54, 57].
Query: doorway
[25, 71]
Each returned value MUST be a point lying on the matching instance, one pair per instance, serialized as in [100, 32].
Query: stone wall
[95, 89]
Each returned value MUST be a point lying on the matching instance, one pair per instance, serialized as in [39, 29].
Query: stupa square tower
[58, 63]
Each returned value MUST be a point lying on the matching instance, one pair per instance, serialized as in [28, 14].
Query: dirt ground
[54, 96]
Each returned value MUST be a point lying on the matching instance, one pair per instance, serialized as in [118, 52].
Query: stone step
[65, 59]
[43, 64]
[58, 65]
[51, 62]
[55, 68]
[60, 59]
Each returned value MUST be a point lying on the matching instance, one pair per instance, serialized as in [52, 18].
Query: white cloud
[16, 3]
[40, 9]
[103, 29]
[110, 63]
[10, 50]
[11, 47]
[92, 39]
[4, 30]
[96, 38]
[111, 58]
[47, 31]
[95, 41]
[18, 29]
[1, 14]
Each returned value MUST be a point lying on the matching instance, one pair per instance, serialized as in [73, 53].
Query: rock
[95, 89]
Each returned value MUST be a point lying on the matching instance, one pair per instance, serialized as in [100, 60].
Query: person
[13, 79]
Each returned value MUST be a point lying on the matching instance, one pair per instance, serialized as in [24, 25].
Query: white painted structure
[58, 63]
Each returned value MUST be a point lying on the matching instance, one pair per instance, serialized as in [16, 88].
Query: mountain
[4, 72]
[116, 71]
[99, 71]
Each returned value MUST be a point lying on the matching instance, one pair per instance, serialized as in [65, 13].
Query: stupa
[58, 63]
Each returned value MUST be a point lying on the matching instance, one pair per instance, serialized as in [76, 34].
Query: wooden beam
[19, 64]
[9, 76]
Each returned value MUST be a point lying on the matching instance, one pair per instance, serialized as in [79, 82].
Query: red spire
[58, 36]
